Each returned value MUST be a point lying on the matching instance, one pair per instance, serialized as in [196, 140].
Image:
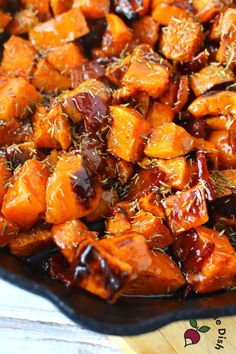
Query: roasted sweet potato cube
[49, 80]
[8, 231]
[130, 248]
[25, 199]
[208, 77]
[147, 72]
[30, 242]
[5, 176]
[109, 198]
[178, 171]
[17, 97]
[186, 210]
[223, 182]
[222, 123]
[120, 220]
[115, 71]
[18, 57]
[41, 7]
[60, 6]
[152, 203]
[125, 170]
[205, 10]
[100, 273]
[213, 103]
[182, 39]
[162, 277]
[157, 235]
[93, 9]
[169, 141]
[5, 18]
[89, 99]
[128, 132]
[72, 190]
[22, 22]
[163, 11]
[51, 129]
[18, 154]
[60, 30]
[170, 95]
[159, 114]
[224, 142]
[66, 57]
[219, 269]
[227, 51]
[146, 30]
[69, 236]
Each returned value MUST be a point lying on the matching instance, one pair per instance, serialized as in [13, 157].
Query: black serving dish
[129, 316]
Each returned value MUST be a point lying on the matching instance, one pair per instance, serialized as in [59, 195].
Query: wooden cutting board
[185, 337]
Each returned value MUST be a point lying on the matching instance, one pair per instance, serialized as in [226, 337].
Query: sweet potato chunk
[66, 57]
[117, 70]
[182, 39]
[163, 11]
[152, 203]
[125, 170]
[49, 80]
[146, 30]
[157, 235]
[22, 22]
[162, 277]
[25, 200]
[60, 30]
[205, 10]
[72, 191]
[31, 242]
[100, 273]
[4, 20]
[5, 175]
[69, 236]
[223, 182]
[51, 129]
[18, 154]
[8, 231]
[225, 143]
[208, 77]
[159, 114]
[186, 210]
[222, 123]
[169, 141]
[17, 97]
[147, 72]
[120, 221]
[93, 9]
[213, 104]
[60, 6]
[41, 7]
[128, 131]
[116, 37]
[18, 57]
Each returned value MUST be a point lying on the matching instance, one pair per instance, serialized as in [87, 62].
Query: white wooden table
[30, 324]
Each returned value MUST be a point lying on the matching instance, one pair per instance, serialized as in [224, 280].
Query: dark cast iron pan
[129, 316]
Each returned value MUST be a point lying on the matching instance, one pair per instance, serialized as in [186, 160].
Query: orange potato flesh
[127, 134]
[18, 154]
[8, 231]
[25, 201]
[69, 236]
[163, 11]
[146, 30]
[162, 277]
[60, 30]
[169, 141]
[182, 39]
[30, 243]
[205, 10]
[222, 123]
[93, 9]
[51, 129]
[5, 176]
[213, 104]
[186, 210]
[208, 77]
[22, 22]
[49, 80]
[41, 7]
[147, 72]
[224, 182]
[151, 203]
[4, 20]
[160, 114]
[66, 58]
[60, 6]
[224, 142]
[71, 191]
[116, 70]
[17, 97]
[18, 57]
[120, 221]
[125, 170]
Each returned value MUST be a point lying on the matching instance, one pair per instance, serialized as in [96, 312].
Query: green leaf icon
[193, 323]
[204, 329]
